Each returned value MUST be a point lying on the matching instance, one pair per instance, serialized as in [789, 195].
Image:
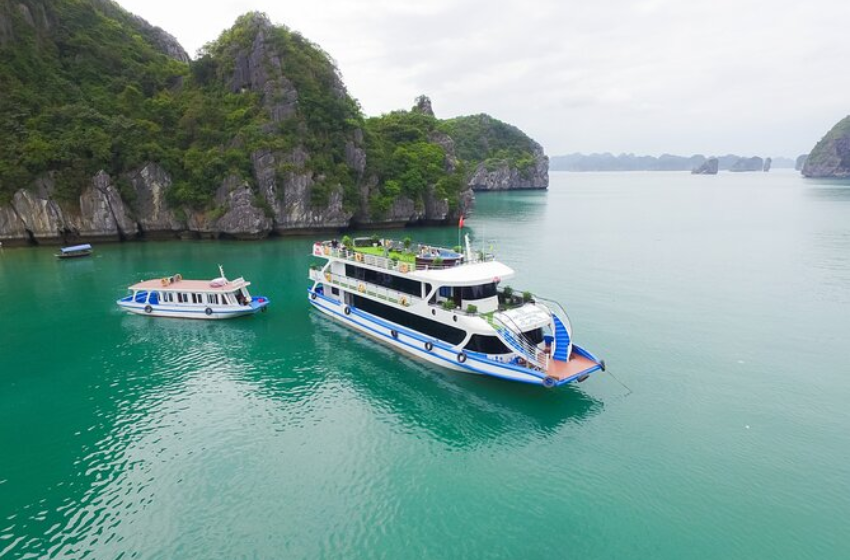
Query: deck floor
[562, 370]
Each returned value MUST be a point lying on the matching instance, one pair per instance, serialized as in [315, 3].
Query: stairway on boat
[510, 325]
[562, 340]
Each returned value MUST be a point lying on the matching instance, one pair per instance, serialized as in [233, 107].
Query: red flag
[460, 222]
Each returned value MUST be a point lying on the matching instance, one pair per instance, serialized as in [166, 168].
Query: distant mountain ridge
[630, 162]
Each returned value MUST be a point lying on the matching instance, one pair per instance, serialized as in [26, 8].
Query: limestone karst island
[111, 131]
[452, 280]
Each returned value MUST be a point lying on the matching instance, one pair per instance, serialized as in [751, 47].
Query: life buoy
[361, 288]
[178, 277]
[394, 333]
[403, 300]
[327, 276]
[347, 310]
[461, 357]
[358, 257]
[549, 382]
[208, 311]
[403, 268]
[148, 309]
[429, 346]
[165, 281]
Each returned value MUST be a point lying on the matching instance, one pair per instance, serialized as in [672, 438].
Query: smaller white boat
[173, 296]
[75, 252]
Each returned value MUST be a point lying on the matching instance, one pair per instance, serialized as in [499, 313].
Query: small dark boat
[75, 252]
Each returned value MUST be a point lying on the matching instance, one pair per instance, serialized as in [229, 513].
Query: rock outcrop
[502, 176]
[754, 163]
[831, 156]
[708, 167]
[767, 162]
[800, 162]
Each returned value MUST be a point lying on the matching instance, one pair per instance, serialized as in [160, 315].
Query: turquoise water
[722, 302]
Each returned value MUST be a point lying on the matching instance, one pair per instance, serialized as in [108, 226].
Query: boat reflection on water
[459, 410]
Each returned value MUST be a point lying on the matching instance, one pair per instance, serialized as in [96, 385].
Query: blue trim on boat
[475, 356]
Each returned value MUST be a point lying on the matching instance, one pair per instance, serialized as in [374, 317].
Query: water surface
[722, 302]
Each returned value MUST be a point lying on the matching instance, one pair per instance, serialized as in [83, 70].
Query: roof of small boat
[466, 275]
[85, 247]
[190, 285]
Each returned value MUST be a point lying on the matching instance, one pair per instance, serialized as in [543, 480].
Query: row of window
[423, 325]
[390, 281]
[181, 297]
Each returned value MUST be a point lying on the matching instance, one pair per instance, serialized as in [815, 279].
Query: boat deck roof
[189, 286]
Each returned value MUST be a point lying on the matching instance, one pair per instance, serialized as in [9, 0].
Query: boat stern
[259, 303]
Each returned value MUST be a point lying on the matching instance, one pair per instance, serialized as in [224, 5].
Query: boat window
[182, 298]
[197, 298]
[224, 299]
[478, 292]
[486, 344]
[446, 291]
[401, 317]
[167, 297]
[335, 291]
[384, 279]
[212, 298]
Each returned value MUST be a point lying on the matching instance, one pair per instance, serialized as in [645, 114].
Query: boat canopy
[465, 275]
[85, 247]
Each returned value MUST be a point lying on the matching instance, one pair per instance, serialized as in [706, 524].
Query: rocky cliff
[256, 137]
[501, 156]
[708, 167]
[754, 163]
[831, 156]
[800, 162]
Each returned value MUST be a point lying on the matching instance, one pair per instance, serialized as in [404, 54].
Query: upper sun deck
[426, 263]
[180, 285]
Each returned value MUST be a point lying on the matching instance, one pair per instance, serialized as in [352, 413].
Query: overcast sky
[650, 76]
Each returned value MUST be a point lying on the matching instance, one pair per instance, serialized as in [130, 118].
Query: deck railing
[326, 249]
[359, 286]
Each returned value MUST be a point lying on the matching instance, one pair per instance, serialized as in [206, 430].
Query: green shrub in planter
[526, 296]
[346, 240]
[471, 309]
[449, 304]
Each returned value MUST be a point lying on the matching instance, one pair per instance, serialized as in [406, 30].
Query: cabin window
[486, 344]
[167, 297]
[212, 298]
[197, 298]
[182, 298]
[401, 317]
[384, 279]
[224, 299]
[446, 291]
[335, 291]
[478, 292]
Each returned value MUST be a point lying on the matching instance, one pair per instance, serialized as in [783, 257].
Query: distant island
[830, 158]
[666, 162]
[110, 131]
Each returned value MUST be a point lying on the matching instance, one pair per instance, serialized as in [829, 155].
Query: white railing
[325, 249]
[512, 335]
[364, 288]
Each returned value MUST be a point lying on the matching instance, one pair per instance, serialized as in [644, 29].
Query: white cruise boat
[173, 296]
[447, 307]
